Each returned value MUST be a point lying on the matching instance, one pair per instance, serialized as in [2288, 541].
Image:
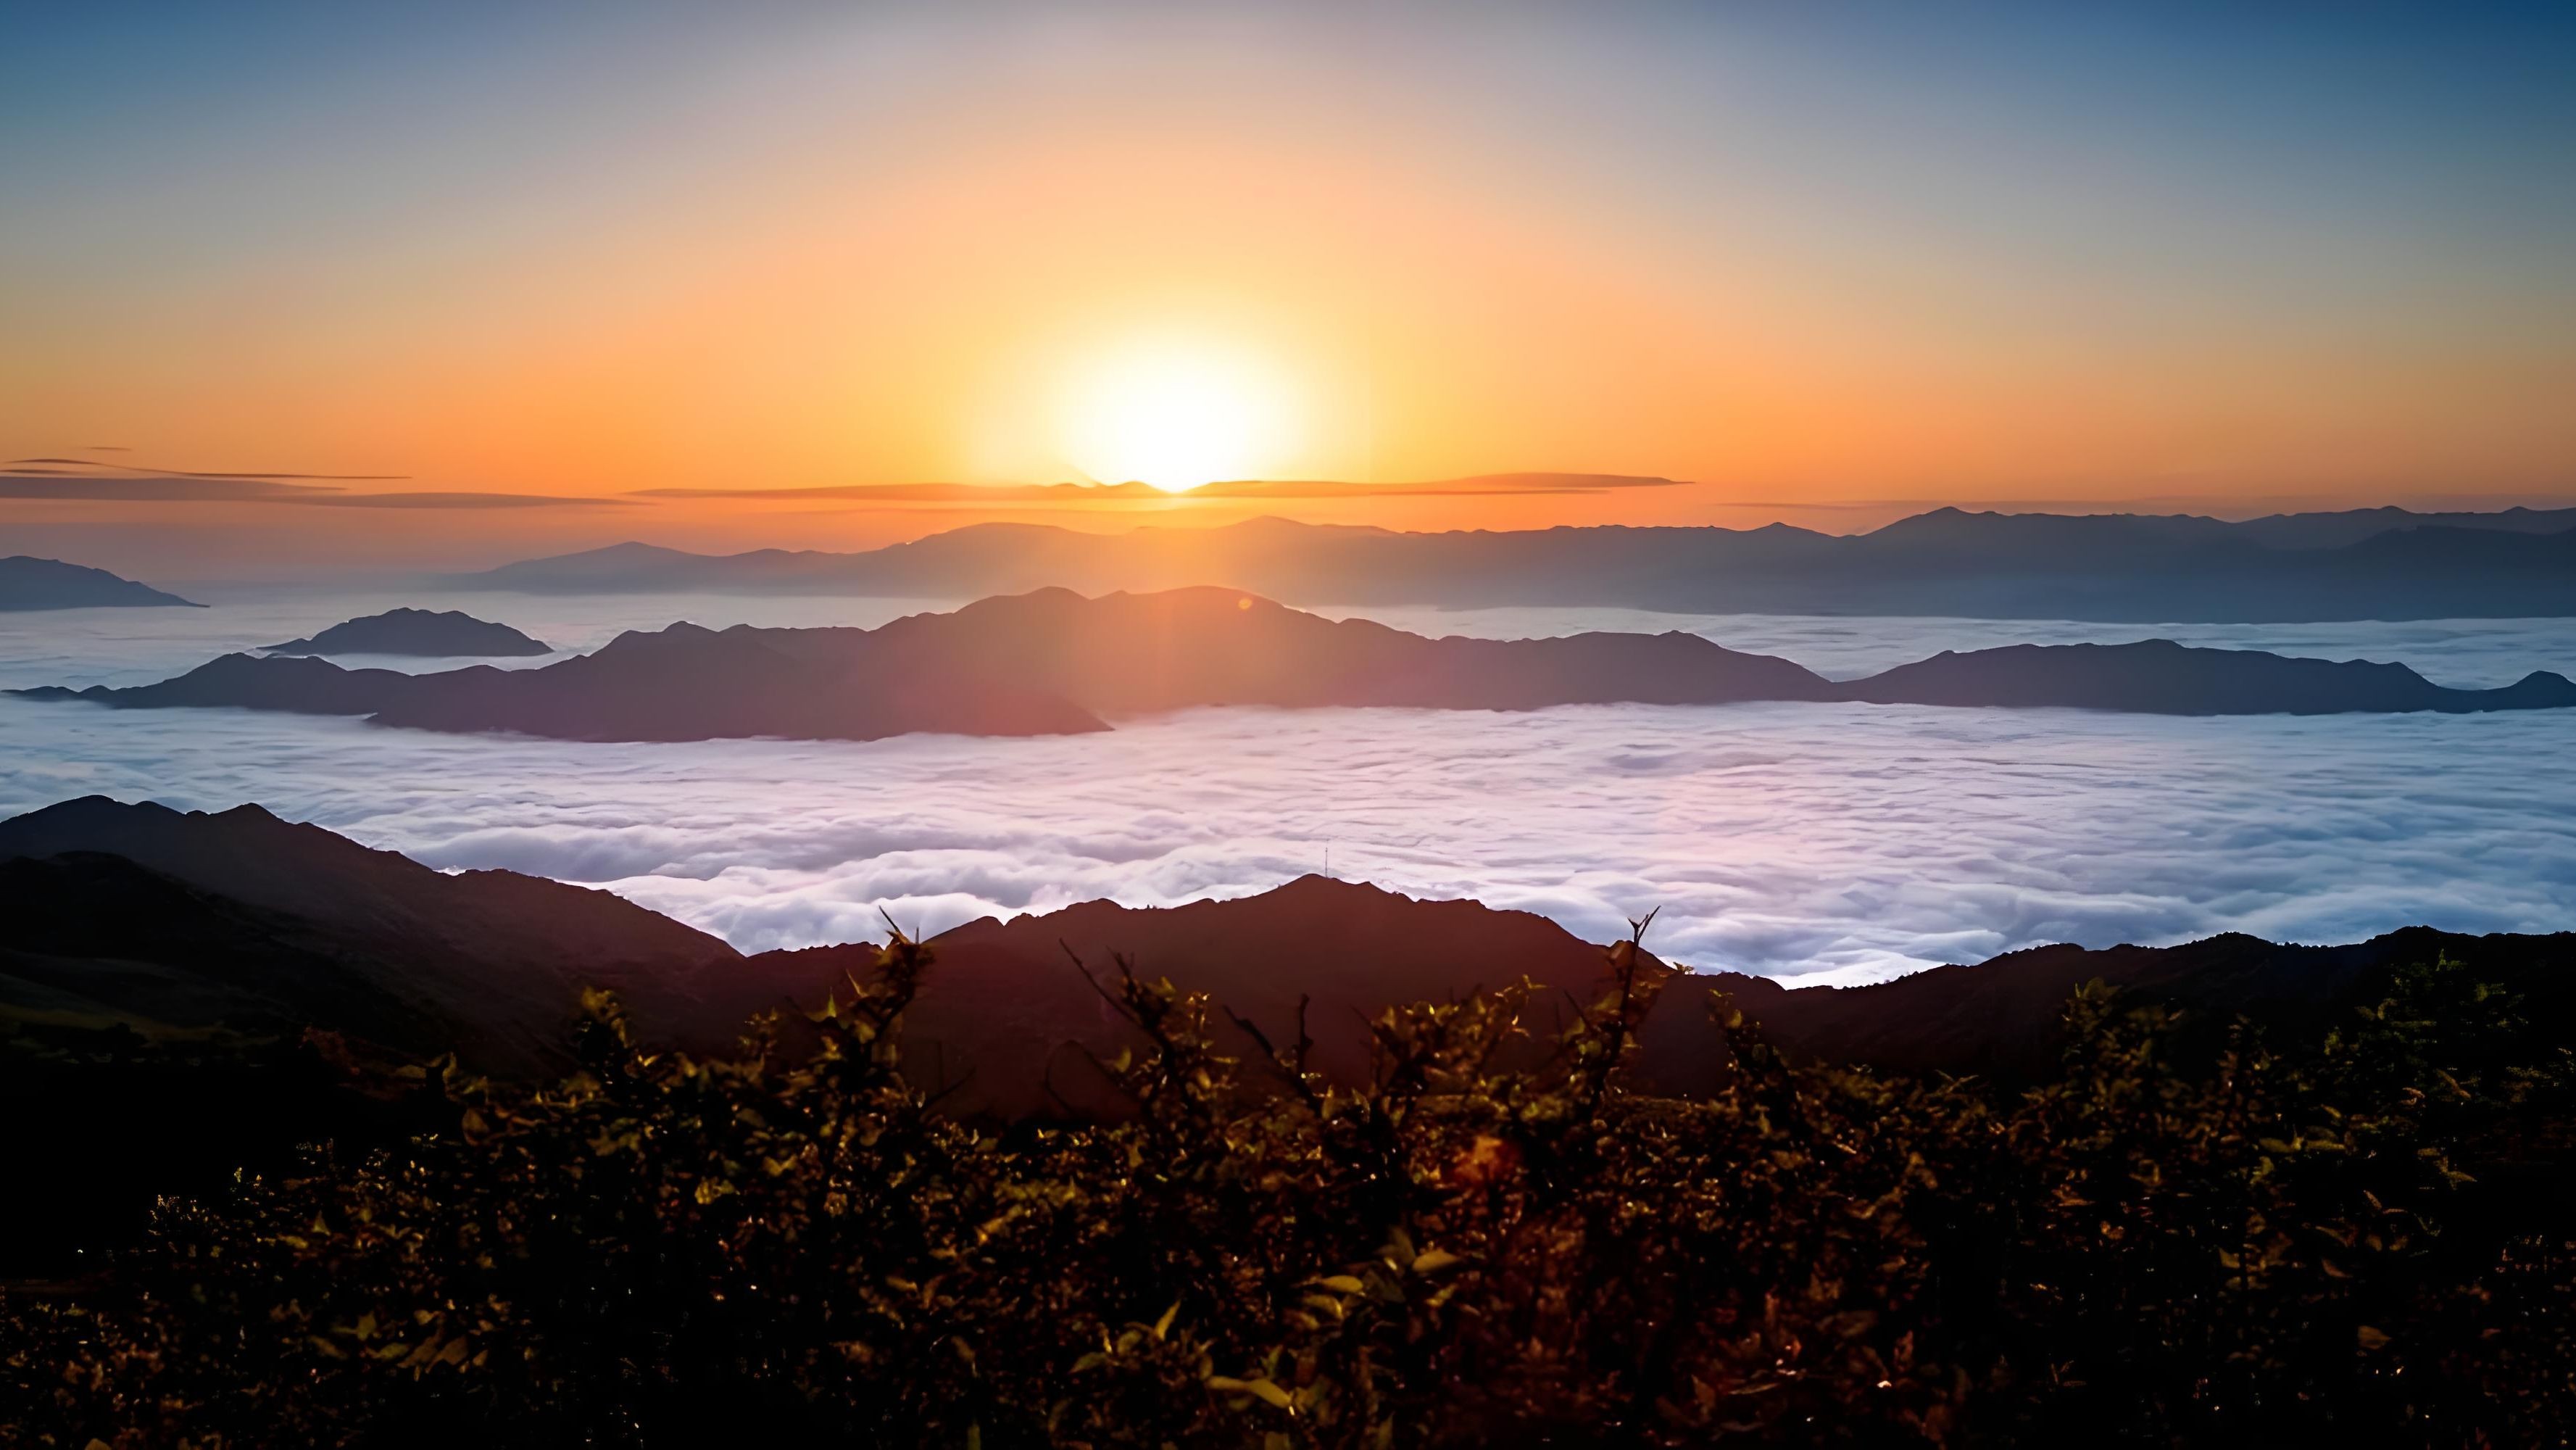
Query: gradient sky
[1803, 256]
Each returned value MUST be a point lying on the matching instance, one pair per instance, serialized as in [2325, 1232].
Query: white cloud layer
[1819, 842]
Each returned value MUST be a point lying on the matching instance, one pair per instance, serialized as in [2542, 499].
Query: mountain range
[2121, 568]
[200, 986]
[32, 583]
[370, 942]
[172, 923]
[1053, 662]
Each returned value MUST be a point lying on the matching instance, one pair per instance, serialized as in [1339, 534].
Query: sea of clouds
[1822, 843]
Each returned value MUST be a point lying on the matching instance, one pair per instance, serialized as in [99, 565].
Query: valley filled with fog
[1822, 843]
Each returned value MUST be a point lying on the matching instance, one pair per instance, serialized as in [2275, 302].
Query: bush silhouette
[1489, 1242]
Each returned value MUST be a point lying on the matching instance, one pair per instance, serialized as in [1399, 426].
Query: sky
[1826, 263]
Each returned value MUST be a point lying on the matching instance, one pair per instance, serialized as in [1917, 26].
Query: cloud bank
[1818, 843]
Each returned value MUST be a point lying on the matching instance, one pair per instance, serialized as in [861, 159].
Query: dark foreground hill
[2349, 1221]
[169, 923]
[2357, 564]
[2004, 1017]
[448, 633]
[187, 959]
[1053, 662]
[1015, 1023]
[320, 931]
[30, 583]
[184, 982]
[242, 922]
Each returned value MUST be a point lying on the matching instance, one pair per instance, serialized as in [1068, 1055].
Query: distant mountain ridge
[448, 633]
[1052, 662]
[28, 583]
[2158, 676]
[2122, 568]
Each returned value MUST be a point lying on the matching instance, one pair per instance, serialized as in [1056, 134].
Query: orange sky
[842, 251]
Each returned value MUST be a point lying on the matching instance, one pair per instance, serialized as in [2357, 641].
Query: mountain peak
[449, 633]
[30, 583]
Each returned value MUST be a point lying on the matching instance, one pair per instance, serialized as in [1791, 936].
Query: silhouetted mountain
[1009, 1025]
[2003, 1017]
[298, 684]
[2361, 564]
[197, 987]
[30, 583]
[688, 683]
[1133, 654]
[193, 988]
[2351, 526]
[2160, 677]
[236, 919]
[448, 633]
[682, 683]
[243, 920]
[1008, 1022]
[1053, 662]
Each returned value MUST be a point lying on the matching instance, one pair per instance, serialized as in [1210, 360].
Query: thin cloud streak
[194, 489]
[94, 464]
[1490, 486]
[93, 481]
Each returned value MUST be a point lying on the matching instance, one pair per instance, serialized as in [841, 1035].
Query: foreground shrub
[2364, 1236]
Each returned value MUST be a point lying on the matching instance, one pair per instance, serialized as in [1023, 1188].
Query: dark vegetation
[2181, 1230]
[1052, 662]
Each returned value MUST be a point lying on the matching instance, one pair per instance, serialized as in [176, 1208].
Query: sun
[1174, 413]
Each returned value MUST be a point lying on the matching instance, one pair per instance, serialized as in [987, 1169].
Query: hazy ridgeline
[1052, 662]
[2382, 564]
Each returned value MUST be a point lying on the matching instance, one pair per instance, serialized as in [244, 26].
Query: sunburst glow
[1175, 414]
